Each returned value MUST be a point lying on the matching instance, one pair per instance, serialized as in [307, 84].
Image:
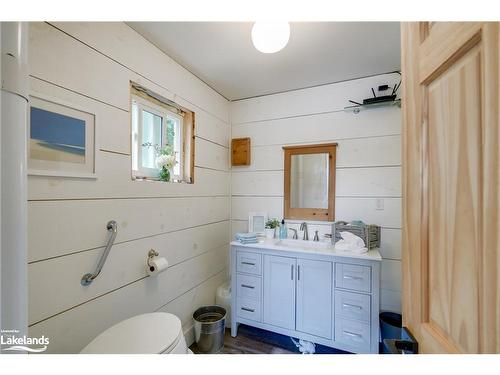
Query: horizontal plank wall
[368, 161]
[90, 66]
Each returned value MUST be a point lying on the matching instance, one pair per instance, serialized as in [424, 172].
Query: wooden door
[314, 297]
[450, 186]
[279, 291]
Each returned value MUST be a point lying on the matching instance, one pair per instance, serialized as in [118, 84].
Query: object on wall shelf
[240, 151]
[359, 107]
[61, 139]
[378, 101]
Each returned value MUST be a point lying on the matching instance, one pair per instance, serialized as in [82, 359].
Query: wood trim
[489, 259]
[157, 99]
[412, 175]
[301, 147]
[192, 147]
[317, 214]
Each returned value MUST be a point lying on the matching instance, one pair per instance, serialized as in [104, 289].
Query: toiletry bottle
[283, 231]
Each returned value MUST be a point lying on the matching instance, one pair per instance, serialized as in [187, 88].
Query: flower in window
[165, 161]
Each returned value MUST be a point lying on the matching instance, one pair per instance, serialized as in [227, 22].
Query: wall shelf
[358, 108]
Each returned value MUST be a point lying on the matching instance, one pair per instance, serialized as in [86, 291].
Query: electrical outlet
[379, 204]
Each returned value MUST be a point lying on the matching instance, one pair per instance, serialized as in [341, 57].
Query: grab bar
[112, 227]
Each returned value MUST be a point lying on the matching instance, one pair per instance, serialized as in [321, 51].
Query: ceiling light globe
[270, 37]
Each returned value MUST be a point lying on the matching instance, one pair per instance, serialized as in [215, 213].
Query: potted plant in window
[271, 226]
[165, 161]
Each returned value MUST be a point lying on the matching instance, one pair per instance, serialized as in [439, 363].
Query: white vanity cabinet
[314, 297]
[279, 291]
[319, 295]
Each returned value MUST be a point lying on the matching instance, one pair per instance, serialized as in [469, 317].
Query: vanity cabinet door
[314, 297]
[279, 291]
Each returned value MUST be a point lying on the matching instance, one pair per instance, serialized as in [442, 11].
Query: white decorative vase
[270, 232]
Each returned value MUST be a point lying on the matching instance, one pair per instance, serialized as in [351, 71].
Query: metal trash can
[209, 325]
[390, 327]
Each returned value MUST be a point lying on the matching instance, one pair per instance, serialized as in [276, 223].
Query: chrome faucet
[294, 233]
[303, 227]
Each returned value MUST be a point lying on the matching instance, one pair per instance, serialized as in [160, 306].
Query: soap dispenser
[283, 231]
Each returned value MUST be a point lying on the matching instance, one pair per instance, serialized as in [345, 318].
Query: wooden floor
[246, 344]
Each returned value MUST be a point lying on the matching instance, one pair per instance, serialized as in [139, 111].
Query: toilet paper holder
[151, 254]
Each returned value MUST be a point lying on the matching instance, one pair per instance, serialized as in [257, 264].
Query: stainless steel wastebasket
[209, 324]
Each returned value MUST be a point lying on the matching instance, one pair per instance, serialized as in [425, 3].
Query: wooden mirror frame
[318, 214]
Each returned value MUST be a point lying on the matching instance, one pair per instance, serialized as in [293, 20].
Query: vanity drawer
[249, 262]
[352, 305]
[354, 277]
[249, 287]
[353, 333]
[249, 309]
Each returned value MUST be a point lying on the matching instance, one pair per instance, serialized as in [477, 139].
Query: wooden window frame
[316, 214]
[166, 108]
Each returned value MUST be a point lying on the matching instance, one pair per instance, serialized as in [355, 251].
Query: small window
[159, 128]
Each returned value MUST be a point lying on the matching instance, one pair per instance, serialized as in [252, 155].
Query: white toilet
[153, 333]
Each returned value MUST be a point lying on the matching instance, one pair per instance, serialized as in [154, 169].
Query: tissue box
[369, 233]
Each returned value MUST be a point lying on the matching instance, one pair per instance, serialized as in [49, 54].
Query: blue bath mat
[281, 341]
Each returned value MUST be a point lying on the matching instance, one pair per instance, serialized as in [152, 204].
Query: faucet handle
[316, 236]
[295, 236]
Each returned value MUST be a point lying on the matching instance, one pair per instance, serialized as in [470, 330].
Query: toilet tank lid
[151, 333]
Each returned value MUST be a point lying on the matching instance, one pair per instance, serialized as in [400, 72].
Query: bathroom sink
[306, 245]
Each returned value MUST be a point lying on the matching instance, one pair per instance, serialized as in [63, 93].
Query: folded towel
[248, 242]
[351, 242]
[244, 242]
[246, 238]
[239, 236]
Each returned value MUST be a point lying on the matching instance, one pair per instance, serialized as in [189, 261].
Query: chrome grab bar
[112, 228]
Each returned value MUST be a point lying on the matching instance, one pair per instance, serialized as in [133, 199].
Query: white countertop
[309, 247]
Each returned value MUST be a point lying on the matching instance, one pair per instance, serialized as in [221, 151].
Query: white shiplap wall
[90, 66]
[368, 161]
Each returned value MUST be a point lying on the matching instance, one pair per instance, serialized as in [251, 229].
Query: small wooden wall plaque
[240, 151]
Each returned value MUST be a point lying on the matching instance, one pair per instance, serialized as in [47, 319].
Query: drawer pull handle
[247, 286]
[352, 334]
[248, 263]
[247, 309]
[349, 277]
[352, 306]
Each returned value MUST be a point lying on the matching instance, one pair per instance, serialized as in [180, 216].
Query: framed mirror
[310, 182]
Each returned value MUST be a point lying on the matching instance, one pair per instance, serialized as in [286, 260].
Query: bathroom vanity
[307, 290]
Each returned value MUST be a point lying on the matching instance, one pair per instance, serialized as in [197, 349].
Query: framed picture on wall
[61, 139]
[257, 222]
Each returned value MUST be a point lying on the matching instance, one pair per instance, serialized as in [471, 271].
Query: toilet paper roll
[157, 265]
